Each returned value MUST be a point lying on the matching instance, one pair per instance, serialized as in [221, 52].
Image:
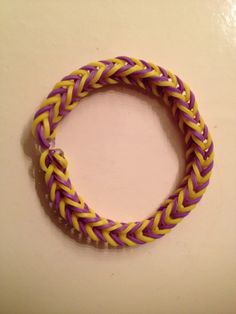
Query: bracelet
[66, 95]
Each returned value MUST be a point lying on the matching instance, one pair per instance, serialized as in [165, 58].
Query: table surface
[125, 156]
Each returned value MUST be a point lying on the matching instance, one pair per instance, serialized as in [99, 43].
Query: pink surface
[125, 157]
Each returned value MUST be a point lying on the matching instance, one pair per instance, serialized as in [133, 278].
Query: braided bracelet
[66, 95]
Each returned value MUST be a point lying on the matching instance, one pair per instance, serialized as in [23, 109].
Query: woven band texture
[154, 79]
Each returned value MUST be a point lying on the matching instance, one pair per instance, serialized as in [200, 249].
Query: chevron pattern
[66, 95]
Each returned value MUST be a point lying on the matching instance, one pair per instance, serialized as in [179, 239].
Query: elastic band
[66, 95]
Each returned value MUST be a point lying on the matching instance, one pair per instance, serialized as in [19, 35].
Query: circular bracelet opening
[126, 155]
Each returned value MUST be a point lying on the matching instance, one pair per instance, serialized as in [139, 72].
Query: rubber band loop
[66, 95]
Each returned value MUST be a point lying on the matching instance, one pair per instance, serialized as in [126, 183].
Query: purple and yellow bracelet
[66, 95]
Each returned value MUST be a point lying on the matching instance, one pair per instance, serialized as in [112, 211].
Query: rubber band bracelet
[66, 95]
